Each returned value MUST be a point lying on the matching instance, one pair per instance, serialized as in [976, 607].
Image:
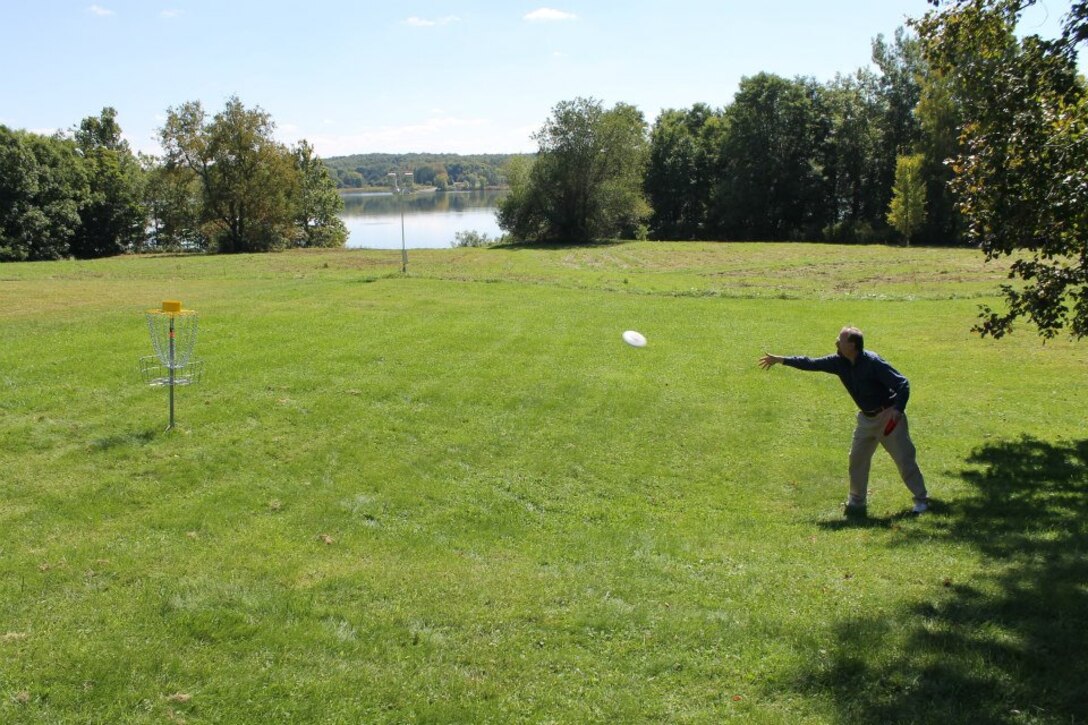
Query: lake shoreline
[417, 190]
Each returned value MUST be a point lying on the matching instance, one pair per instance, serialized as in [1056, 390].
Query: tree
[174, 198]
[770, 184]
[521, 213]
[114, 218]
[1021, 175]
[424, 175]
[939, 117]
[851, 161]
[249, 181]
[349, 179]
[43, 185]
[679, 174]
[586, 182]
[619, 208]
[318, 204]
[907, 211]
[902, 67]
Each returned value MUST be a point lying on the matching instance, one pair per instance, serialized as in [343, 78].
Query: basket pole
[171, 373]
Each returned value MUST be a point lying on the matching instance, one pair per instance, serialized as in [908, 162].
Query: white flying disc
[634, 339]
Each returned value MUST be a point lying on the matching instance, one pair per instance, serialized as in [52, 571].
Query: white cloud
[170, 13]
[417, 22]
[541, 15]
[99, 10]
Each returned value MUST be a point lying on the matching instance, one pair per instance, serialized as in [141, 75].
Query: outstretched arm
[768, 361]
[826, 364]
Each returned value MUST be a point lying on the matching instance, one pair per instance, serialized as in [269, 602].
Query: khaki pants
[868, 434]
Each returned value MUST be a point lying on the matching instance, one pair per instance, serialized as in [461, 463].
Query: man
[881, 394]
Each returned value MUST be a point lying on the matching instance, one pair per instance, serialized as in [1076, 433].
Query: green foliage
[80, 197]
[521, 212]
[794, 159]
[43, 186]
[473, 238]
[224, 185]
[114, 217]
[940, 118]
[248, 180]
[920, 115]
[456, 171]
[174, 199]
[851, 159]
[768, 185]
[256, 194]
[853, 232]
[903, 71]
[680, 170]
[1022, 169]
[586, 182]
[907, 211]
[318, 203]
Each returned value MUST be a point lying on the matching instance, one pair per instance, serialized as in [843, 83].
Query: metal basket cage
[154, 373]
[173, 336]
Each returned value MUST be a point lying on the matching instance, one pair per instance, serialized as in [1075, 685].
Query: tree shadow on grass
[888, 521]
[1011, 645]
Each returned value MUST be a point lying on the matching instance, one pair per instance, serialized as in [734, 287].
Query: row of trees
[224, 185]
[442, 171]
[75, 196]
[787, 159]
[966, 135]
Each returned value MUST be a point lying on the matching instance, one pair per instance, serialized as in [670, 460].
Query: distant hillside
[443, 171]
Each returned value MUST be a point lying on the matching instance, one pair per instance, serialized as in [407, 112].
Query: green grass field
[457, 496]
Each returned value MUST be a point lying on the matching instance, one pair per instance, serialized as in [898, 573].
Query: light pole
[398, 194]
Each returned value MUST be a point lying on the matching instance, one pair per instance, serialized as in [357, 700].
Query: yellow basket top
[170, 307]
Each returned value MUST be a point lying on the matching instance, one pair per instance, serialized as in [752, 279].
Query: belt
[874, 413]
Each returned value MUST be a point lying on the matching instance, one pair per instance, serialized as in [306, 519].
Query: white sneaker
[920, 508]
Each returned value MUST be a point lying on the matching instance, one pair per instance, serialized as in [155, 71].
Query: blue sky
[429, 75]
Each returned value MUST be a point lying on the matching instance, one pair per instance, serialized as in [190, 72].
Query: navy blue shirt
[870, 380]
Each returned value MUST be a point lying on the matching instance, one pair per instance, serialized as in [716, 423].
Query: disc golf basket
[173, 336]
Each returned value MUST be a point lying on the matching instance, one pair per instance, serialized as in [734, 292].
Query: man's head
[850, 342]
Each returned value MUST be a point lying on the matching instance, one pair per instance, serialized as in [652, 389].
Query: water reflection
[430, 220]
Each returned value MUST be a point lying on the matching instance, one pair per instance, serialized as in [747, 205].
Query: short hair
[854, 335]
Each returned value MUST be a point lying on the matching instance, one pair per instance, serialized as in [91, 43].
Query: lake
[431, 219]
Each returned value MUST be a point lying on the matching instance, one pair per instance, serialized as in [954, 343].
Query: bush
[473, 238]
[854, 232]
